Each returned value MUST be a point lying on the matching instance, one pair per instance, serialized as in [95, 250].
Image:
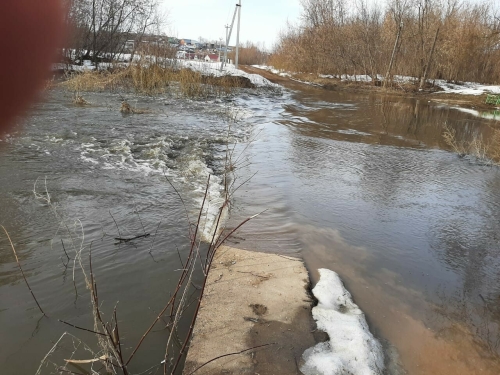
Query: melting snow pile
[210, 68]
[352, 349]
[467, 88]
[273, 70]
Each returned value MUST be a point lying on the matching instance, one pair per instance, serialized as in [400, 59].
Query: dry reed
[487, 151]
[149, 78]
[21, 269]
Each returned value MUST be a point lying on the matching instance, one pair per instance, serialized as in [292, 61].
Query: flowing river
[362, 184]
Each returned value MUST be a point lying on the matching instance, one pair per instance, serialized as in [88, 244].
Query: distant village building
[130, 45]
[212, 57]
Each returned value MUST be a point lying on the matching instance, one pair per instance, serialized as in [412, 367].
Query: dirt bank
[466, 101]
[253, 299]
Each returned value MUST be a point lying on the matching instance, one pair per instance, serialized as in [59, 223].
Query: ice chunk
[352, 349]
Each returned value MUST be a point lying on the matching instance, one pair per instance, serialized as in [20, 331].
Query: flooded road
[362, 184]
[365, 185]
[106, 175]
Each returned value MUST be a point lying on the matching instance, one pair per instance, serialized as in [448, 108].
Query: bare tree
[102, 27]
[445, 39]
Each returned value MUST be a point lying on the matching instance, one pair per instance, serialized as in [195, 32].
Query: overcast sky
[261, 20]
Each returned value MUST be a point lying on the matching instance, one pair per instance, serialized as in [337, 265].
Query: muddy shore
[476, 102]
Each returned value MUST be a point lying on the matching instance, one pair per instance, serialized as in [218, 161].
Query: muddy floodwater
[362, 184]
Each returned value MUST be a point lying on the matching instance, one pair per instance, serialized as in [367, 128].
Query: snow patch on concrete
[352, 349]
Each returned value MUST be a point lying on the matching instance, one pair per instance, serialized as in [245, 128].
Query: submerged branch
[132, 238]
[21, 269]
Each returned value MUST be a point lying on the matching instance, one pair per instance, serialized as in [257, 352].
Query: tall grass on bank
[154, 79]
[484, 150]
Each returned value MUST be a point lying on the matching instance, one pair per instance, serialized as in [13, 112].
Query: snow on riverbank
[211, 68]
[467, 88]
[205, 68]
[352, 349]
[463, 88]
[273, 70]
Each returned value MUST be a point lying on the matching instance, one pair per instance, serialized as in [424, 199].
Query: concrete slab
[253, 299]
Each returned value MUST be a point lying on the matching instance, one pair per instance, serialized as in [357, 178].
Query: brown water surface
[364, 184]
[359, 183]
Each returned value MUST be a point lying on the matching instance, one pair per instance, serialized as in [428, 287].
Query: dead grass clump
[191, 84]
[90, 80]
[450, 138]
[128, 109]
[79, 100]
[49, 84]
[495, 149]
[484, 150]
[150, 78]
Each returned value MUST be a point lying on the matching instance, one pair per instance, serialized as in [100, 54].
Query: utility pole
[227, 41]
[228, 38]
[220, 46]
[238, 36]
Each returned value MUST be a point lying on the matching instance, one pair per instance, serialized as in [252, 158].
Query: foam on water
[189, 169]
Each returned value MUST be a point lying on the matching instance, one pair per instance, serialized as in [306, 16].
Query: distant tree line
[251, 54]
[99, 29]
[427, 39]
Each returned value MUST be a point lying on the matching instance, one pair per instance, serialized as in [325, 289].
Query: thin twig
[69, 371]
[139, 216]
[83, 329]
[229, 354]
[179, 254]
[239, 226]
[154, 238]
[116, 337]
[117, 228]
[193, 242]
[67, 256]
[179, 284]
[21, 269]
[95, 300]
[182, 201]
[243, 183]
